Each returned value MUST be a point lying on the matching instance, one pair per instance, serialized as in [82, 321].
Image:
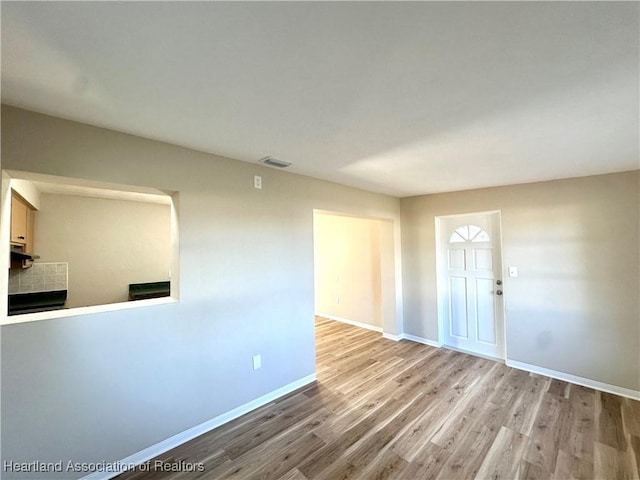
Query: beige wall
[246, 275]
[108, 244]
[347, 268]
[246, 288]
[574, 307]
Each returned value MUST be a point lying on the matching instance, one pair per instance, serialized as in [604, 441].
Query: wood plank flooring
[400, 410]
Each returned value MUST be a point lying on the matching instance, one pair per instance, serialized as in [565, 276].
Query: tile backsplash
[40, 277]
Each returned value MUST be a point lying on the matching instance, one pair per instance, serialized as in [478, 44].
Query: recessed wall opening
[75, 246]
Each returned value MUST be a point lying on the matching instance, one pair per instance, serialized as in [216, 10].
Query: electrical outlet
[257, 362]
[257, 182]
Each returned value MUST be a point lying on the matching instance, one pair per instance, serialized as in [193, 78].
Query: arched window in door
[469, 233]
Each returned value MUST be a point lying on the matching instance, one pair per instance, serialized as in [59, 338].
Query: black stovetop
[36, 302]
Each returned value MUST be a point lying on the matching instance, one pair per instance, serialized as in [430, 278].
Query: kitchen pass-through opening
[75, 246]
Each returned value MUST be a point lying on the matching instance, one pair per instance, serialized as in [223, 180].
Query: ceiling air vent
[274, 162]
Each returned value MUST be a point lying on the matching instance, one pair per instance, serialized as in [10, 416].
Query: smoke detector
[274, 162]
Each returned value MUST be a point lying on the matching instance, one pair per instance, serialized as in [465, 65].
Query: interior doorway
[354, 270]
[470, 287]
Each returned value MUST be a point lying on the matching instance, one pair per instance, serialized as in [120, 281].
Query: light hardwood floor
[401, 410]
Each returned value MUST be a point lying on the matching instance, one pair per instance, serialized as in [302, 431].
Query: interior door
[471, 283]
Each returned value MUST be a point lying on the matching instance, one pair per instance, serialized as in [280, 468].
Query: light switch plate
[513, 271]
[257, 362]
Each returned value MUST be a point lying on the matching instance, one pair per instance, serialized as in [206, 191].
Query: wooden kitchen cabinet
[30, 221]
[21, 223]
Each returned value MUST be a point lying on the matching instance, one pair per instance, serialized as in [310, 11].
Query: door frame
[390, 261]
[441, 282]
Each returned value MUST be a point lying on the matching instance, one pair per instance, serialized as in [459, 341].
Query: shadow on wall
[572, 307]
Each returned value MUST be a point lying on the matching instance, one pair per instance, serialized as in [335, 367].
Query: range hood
[18, 254]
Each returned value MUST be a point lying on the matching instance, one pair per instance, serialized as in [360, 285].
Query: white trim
[412, 338]
[567, 377]
[456, 215]
[391, 336]
[424, 341]
[180, 438]
[503, 307]
[76, 311]
[334, 213]
[350, 322]
[442, 287]
[439, 280]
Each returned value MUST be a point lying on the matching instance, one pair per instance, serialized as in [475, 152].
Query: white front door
[470, 283]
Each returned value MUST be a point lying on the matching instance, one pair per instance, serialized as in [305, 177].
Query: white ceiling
[393, 97]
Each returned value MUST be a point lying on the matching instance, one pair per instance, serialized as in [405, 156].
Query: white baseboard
[413, 338]
[567, 377]
[350, 322]
[180, 438]
[391, 336]
[424, 341]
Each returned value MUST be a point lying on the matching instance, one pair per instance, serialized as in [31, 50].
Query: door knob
[498, 292]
